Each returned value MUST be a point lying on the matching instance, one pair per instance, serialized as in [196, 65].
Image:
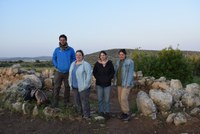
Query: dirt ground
[16, 123]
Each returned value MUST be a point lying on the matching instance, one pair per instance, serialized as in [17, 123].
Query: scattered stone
[180, 119]
[195, 111]
[102, 125]
[170, 118]
[35, 111]
[17, 106]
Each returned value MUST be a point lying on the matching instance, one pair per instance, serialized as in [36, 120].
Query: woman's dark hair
[104, 52]
[80, 51]
[122, 50]
[63, 36]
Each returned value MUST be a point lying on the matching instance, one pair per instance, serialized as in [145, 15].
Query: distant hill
[93, 57]
[113, 54]
[28, 59]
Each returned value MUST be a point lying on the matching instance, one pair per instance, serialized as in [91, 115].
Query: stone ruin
[169, 98]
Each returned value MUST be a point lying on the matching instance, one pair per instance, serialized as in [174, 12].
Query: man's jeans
[81, 100]
[58, 78]
[103, 94]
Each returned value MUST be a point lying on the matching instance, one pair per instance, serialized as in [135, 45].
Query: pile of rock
[165, 96]
[16, 82]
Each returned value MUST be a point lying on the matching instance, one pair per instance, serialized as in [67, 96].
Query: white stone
[170, 118]
[180, 119]
[176, 84]
[145, 104]
[163, 100]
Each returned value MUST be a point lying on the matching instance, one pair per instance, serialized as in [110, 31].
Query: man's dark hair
[123, 51]
[80, 51]
[63, 36]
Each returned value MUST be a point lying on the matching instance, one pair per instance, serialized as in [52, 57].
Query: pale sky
[30, 28]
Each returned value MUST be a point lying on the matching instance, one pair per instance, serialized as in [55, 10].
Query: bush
[169, 63]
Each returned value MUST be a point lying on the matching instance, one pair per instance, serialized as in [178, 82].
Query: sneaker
[126, 117]
[121, 116]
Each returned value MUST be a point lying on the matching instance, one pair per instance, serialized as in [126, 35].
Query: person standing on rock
[62, 58]
[80, 75]
[124, 70]
[103, 72]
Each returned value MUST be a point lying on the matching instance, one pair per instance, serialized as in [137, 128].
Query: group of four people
[76, 73]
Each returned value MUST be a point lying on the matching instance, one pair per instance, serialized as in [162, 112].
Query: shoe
[121, 116]
[106, 116]
[126, 117]
[101, 114]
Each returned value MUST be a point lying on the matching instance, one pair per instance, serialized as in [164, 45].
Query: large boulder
[163, 100]
[176, 94]
[34, 80]
[145, 104]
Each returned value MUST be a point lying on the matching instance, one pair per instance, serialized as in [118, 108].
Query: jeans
[58, 78]
[81, 100]
[103, 94]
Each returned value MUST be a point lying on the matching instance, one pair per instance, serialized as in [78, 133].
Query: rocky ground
[12, 122]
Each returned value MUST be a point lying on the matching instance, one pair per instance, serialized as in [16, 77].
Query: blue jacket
[127, 72]
[83, 75]
[62, 59]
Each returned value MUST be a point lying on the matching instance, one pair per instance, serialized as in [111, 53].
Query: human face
[122, 56]
[62, 41]
[103, 57]
[79, 56]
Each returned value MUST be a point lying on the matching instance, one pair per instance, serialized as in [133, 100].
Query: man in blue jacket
[62, 58]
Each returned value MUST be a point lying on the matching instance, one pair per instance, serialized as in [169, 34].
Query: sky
[30, 28]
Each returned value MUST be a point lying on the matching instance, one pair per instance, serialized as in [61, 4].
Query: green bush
[169, 63]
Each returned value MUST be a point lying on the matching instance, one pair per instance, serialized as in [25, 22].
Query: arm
[88, 70]
[112, 70]
[54, 59]
[95, 71]
[73, 55]
[130, 73]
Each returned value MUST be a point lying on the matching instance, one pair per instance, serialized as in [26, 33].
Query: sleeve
[73, 56]
[95, 70]
[70, 75]
[131, 71]
[112, 70]
[54, 59]
[88, 76]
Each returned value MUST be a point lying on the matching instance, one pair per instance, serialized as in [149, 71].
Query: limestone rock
[145, 104]
[163, 100]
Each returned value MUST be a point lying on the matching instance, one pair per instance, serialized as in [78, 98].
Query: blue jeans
[103, 94]
[81, 100]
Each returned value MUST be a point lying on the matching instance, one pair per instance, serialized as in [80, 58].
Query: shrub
[169, 63]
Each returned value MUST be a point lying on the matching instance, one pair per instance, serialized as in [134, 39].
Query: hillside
[93, 57]
[113, 54]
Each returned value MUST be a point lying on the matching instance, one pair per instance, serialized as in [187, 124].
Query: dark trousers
[81, 100]
[58, 79]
